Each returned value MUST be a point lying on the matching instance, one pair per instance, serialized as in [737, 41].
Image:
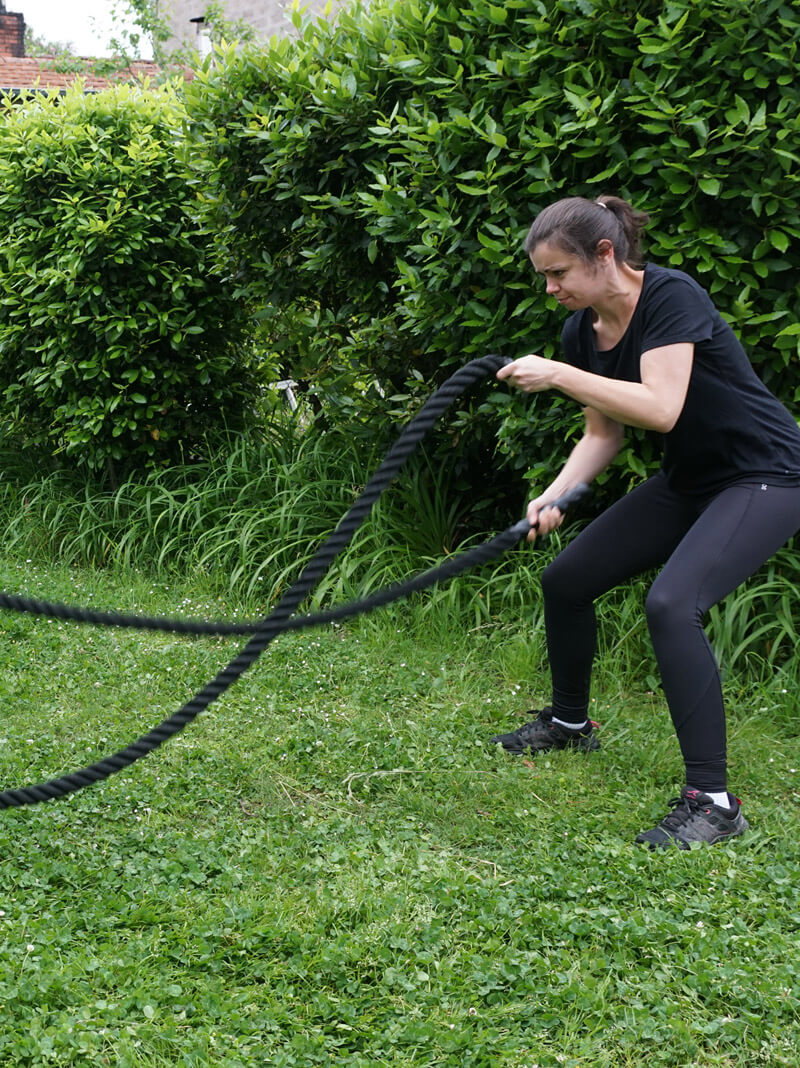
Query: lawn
[331, 866]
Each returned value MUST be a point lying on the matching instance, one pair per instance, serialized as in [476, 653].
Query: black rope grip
[281, 618]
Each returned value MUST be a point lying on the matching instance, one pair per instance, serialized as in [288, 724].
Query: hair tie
[600, 204]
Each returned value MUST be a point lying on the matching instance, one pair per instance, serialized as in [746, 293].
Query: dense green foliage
[121, 344]
[369, 186]
[375, 179]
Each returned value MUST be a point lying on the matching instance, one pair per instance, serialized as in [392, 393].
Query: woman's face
[574, 283]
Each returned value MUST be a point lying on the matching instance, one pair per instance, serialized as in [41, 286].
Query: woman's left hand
[531, 373]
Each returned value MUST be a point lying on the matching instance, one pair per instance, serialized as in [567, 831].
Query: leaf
[740, 113]
[711, 186]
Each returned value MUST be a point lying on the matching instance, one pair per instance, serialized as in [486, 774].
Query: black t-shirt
[731, 428]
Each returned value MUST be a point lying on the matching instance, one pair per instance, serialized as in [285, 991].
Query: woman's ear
[604, 251]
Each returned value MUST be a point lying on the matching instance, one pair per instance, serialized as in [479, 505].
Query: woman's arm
[654, 403]
[601, 441]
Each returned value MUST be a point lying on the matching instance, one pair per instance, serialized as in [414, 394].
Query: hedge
[121, 343]
[375, 179]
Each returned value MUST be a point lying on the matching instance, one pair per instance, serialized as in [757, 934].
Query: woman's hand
[542, 517]
[531, 373]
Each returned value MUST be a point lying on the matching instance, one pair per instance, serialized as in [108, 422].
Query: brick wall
[267, 17]
[12, 33]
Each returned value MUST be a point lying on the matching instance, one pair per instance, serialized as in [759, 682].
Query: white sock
[572, 726]
[723, 799]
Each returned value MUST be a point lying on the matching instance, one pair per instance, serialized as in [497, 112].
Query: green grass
[331, 866]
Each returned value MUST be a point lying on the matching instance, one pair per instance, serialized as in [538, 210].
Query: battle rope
[279, 619]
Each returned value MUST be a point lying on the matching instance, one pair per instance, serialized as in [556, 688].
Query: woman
[644, 346]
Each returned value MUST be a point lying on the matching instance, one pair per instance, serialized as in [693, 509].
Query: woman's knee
[562, 582]
[668, 606]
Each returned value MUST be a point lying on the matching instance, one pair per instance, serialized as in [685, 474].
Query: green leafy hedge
[121, 345]
[375, 180]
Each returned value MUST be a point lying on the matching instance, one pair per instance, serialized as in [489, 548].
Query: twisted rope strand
[46, 791]
[279, 620]
[343, 534]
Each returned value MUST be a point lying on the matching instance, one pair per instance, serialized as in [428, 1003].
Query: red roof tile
[58, 72]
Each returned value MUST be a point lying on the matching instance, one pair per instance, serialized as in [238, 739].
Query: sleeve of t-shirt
[677, 311]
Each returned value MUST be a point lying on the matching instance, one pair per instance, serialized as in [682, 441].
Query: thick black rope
[279, 620]
[405, 445]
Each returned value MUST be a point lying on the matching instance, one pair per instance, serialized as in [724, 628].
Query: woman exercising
[645, 346]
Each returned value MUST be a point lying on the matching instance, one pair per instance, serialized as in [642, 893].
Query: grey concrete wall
[267, 17]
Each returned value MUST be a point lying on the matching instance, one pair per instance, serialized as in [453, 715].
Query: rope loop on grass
[282, 617]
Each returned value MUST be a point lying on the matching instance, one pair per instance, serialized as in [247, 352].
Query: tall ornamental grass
[246, 525]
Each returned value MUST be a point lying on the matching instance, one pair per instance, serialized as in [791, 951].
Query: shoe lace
[683, 810]
[535, 726]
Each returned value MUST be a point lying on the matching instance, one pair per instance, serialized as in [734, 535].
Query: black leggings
[708, 548]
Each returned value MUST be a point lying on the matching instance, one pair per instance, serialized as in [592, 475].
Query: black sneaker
[695, 818]
[542, 734]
